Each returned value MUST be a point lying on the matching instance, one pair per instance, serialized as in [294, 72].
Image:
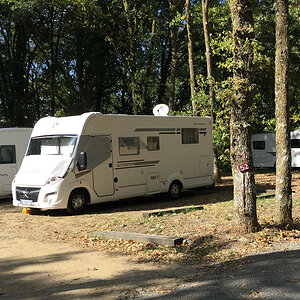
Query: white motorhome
[13, 144]
[90, 158]
[264, 149]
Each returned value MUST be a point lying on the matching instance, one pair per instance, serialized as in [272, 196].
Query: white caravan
[91, 158]
[264, 149]
[295, 148]
[13, 144]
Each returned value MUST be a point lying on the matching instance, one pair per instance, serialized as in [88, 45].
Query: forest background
[66, 57]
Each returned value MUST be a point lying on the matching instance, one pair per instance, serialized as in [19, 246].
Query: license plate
[26, 202]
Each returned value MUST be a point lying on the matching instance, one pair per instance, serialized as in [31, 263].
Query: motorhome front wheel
[77, 202]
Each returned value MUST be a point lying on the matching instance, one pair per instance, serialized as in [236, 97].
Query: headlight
[52, 179]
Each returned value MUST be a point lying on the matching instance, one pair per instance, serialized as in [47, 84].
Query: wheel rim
[175, 190]
[78, 202]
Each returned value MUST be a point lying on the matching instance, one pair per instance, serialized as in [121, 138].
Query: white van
[90, 158]
[13, 144]
[264, 149]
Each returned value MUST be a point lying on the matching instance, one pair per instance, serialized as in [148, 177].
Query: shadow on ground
[221, 193]
[160, 201]
[264, 276]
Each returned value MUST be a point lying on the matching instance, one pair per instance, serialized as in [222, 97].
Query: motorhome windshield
[52, 145]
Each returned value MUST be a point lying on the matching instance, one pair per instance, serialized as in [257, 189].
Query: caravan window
[259, 145]
[189, 136]
[7, 154]
[152, 143]
[295, 143]
[129, 145]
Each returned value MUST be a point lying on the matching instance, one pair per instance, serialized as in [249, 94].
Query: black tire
[77, 202]
[175, 190]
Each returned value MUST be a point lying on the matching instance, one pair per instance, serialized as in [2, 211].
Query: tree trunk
[134, 94]
[208, 56]
[80, 73]
[165, 60]
[131, 60]
[283, 150]
[174, 31]
[210, 77]
[191, 53]
[145, 96]
[20, 84]
[173, 68]
[240, 152]
[54, 43]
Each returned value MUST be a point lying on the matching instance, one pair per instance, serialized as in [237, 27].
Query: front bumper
[42, 197]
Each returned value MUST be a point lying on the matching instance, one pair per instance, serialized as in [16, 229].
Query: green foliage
[221, 111]
[63, 57]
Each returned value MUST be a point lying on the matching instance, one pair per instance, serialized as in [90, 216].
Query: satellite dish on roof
[161, 110]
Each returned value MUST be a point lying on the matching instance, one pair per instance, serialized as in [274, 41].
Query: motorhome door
[103, 173]
[99, 161]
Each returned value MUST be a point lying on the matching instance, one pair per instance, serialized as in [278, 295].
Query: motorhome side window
[189, 136]
[295, 143]
[129, 145]
[259, 145]
[8, 154]
[152, 143]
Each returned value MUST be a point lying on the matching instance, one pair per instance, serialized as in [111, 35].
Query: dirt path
[50, 255]
[56, 270]
[48, 270]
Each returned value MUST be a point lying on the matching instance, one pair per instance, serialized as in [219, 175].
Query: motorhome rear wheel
[175, 189]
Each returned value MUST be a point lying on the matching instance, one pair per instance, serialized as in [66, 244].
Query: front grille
[27, 193]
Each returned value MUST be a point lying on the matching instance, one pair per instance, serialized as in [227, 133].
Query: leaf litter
[210, 235]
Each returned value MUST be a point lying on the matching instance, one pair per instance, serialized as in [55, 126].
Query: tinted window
[259, 145]
[189, 136]
[129, 145]
[152, 143]
[7, 154]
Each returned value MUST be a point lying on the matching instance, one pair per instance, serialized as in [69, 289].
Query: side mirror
[82, 161]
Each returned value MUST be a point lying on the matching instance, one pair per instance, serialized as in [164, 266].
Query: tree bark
[208, 56]
[145, 97]
[174, 31]
[131, 63]
[134, 93]
[190, 53]
[283, 149]
[210, 77]
[54, 43]
[240, 152]
[20, 84]
[165, 60]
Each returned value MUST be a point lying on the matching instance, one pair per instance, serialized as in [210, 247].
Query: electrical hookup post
[244, 167]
